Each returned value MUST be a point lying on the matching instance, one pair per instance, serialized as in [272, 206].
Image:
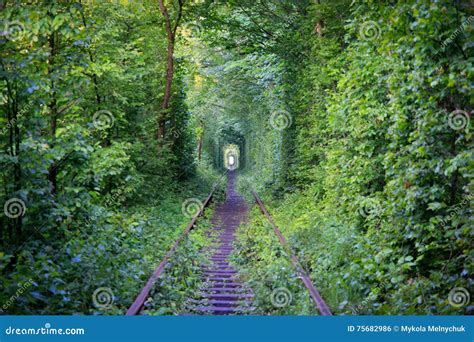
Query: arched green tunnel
[229, 142]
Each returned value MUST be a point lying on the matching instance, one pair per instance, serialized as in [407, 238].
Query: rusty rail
[319, 301]
[137, 305]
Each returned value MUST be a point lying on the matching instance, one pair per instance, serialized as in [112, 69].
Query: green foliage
[351, 119]
[81, 88]
[372, 167]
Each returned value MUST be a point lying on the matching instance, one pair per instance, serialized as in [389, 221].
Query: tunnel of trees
[351, 119]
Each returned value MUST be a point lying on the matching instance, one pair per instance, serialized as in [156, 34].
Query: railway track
[223, 293]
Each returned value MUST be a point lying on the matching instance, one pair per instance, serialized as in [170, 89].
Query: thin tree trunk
[200, 144]
[9, 149]
[454, 176]
[318, 29]
[170, 36]
[15, 142]
[53, 109]
[94, 77]
[17, 168]
[19, 224]
[168, 84]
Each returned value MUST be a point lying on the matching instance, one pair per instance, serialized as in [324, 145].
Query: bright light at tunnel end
[231, 162]
[231, 157]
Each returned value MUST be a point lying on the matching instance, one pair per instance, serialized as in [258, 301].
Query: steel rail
[137, 305]
[319, 301]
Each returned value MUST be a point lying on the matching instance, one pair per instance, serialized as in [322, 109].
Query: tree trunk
[170, 36]
[94, 77]
[318, 29]
[19, 223]
[200, 145]
[14, 141]
[167, 95]
[53, 110]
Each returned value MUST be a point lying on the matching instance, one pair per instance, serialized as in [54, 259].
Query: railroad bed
[222, 292]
